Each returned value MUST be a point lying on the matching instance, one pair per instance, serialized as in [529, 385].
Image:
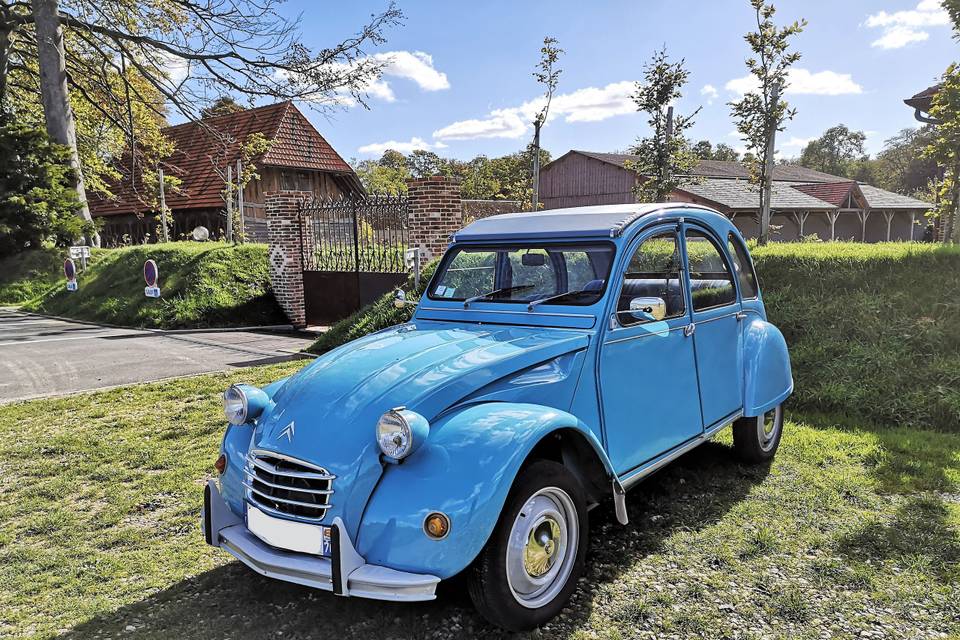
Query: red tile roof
[206, 147]
[833, 192]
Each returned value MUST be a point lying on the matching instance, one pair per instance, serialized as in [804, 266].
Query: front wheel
[756, 439]
[531, 564]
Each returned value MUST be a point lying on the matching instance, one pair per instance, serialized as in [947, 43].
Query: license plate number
[289, 535]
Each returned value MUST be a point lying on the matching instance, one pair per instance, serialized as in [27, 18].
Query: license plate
[287, 534]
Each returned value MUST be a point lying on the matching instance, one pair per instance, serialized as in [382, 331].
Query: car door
[648, 381]
[716, 326]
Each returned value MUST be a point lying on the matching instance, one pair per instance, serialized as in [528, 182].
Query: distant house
[804, 201]
[298, 159]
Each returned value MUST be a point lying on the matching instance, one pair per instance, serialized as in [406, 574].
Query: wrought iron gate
[352, 251]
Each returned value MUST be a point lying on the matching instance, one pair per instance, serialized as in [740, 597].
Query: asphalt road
[43, 356]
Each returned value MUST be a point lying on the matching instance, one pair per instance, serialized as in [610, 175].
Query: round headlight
[235, 405]
[400, 432]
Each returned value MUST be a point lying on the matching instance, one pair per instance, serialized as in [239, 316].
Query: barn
[804, 202]
[298, 159]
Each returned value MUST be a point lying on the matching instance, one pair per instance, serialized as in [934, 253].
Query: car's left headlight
[243, 402]
[400, 432]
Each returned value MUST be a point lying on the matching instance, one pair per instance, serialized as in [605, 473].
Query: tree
[548, 75]
[121, 46]
[222, 106]
[839, 151]
[761, 113]
[902, 166]
[37, 200]
[386, 176]
[944, 149]
[705, 150]
[665, 158]
[424, 164]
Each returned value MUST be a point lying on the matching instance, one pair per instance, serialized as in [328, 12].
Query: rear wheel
[756, 439]
[531, 564]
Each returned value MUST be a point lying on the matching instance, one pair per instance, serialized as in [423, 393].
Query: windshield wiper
[519, 287]
[533, 303]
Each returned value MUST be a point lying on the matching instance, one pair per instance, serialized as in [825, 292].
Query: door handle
[689, 329]
[741, 315]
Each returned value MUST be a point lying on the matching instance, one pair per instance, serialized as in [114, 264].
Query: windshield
[566, 274]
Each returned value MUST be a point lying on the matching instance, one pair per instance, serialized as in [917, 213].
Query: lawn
[851, 530]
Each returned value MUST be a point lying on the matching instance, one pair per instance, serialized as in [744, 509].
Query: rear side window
[743, 267]
[711, 283]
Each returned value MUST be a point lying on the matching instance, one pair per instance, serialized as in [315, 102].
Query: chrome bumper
[345, 572]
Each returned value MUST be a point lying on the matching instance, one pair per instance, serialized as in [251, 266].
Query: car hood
[334, 403]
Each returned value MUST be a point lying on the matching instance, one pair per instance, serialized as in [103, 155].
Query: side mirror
[648, 309]
[399, 298]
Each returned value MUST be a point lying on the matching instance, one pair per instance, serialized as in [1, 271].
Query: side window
[654, 272]
[743, 267]
[711, 283]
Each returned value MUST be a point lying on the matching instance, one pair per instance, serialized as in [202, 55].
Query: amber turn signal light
[436, 526]
[220, 464]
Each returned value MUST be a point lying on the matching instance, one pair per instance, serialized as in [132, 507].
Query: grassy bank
[30, 274]
[202, 285]
[850, 530]
[873, 329]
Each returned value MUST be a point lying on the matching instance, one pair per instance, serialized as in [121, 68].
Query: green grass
[202, 284]
[851, 529]
[29, 274]
[873, 329]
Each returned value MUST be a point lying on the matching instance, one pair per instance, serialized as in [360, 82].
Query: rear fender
[465, 470]
[768, 380]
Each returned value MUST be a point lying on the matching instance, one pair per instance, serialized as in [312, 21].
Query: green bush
[873, 329]
[202, 285]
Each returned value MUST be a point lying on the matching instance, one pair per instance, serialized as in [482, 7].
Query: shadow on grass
[232, 601]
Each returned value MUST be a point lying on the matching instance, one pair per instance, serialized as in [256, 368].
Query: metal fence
[355, 234]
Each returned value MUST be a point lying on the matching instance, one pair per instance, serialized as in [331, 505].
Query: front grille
[287, 486]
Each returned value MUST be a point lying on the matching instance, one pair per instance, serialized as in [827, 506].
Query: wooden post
[863, 215]
[888, 216]
[767, 187]
[240, 198]
[163, 209]
[229, 203]
[833, 215]
[913, 222]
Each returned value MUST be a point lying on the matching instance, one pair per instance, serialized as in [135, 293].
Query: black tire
[757, 438]
[537, 486]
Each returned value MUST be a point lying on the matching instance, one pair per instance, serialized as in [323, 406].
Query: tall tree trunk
[53, 91]
[5, 32]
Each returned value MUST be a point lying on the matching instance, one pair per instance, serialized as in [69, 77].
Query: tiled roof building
[803, 202]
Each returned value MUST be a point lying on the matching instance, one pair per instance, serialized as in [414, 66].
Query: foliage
[757, 115]
[705, 150]
[547, 75]
[902, 167]
[944, 149]
[28, 274]
[839, 151]
[203, 284]
[37, 199]
[665, 160]
[852, 526]
[252, 147]
[222, 106]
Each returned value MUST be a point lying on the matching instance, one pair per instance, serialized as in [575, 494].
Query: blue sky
[459, 75]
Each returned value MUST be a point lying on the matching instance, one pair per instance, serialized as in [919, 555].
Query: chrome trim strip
[727, 315]
[519, 312]
[287, 501]
[266, 466]
[285, 487]
[640, 335]
[633, 477]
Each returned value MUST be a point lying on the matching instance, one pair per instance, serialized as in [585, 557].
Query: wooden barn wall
[576, 181]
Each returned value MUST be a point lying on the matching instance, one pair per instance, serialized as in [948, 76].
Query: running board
[621, 485]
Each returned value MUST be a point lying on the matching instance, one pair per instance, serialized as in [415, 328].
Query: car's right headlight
[243, 402]
[400, 432]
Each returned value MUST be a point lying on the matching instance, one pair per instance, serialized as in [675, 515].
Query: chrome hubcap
[768, 426]
[542, 547]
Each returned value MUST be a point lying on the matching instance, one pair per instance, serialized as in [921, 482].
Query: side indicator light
[220, 464]
[436, 526]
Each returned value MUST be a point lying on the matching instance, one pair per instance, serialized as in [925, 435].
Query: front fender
[767, 376]
[465, 469]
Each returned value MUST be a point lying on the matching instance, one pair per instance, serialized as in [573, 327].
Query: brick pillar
[436, 212]
[283, 238]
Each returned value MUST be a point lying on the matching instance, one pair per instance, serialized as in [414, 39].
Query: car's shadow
[232, 601]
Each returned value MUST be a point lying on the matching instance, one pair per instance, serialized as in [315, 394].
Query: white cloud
[709, 92]
[900, 28]
[377, 148]
[590, 104]
[795, 141]
[803, 82]
[413, 65]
